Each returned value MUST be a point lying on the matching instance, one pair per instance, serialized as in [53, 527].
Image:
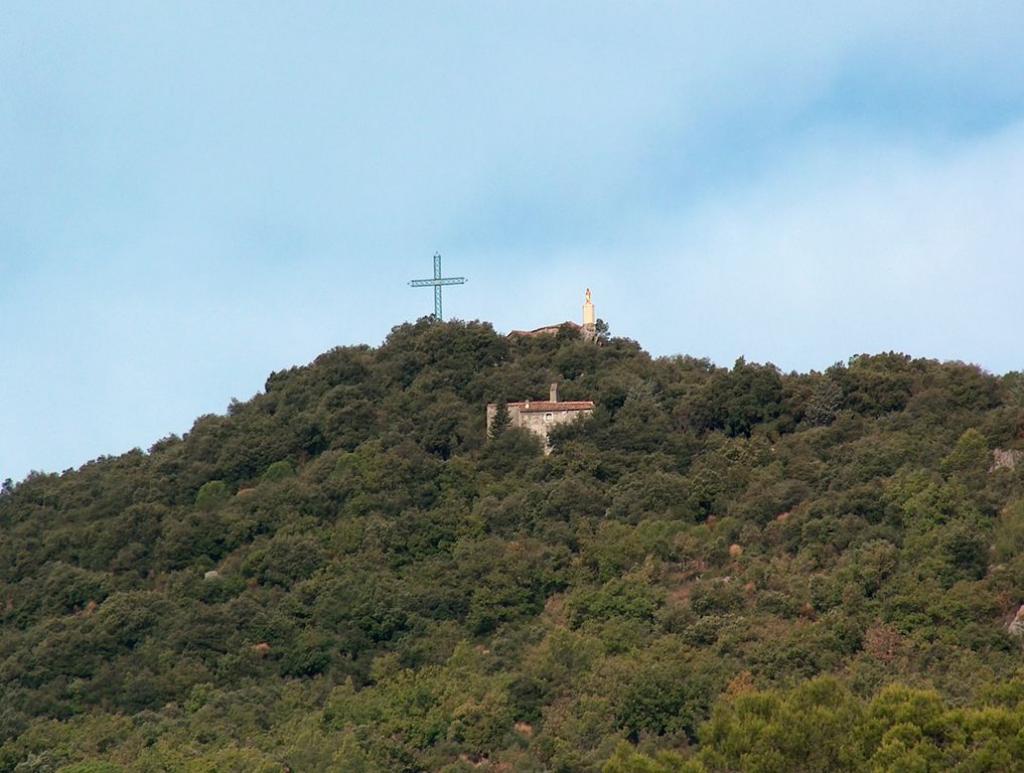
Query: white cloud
[845, 248]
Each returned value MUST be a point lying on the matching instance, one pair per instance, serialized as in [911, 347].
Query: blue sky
[195, 194]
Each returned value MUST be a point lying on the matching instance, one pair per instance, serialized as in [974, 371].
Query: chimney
[554, 392]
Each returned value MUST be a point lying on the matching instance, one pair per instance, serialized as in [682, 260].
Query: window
[548, 417]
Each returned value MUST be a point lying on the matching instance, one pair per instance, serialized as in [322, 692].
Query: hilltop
[719, 569]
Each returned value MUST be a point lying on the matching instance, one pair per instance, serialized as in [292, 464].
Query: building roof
[544, 406]
[546, 329]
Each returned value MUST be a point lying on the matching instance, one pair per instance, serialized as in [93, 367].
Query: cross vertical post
[437, 288]
[437, 283]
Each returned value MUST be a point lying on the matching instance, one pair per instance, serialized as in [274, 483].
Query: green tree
[501, 420]
[212, 495]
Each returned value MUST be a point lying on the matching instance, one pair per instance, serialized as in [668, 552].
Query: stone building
[587, 330]
[539, 416]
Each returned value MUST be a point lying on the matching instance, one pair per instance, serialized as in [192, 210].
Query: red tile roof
[538, 406]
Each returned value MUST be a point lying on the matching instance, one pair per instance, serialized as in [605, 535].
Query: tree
[824, 403]
[735, 401]
[212, 495]
[501, 420]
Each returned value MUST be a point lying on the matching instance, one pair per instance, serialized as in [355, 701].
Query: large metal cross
[437, 283]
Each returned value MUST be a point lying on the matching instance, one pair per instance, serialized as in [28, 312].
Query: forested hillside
[722, 569]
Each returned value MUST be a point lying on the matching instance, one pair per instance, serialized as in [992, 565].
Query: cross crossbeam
[437, 283]
[444, 282]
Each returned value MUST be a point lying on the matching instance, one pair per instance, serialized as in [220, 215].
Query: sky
[195, 194]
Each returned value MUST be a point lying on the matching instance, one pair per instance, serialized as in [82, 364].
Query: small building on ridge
[587, 331]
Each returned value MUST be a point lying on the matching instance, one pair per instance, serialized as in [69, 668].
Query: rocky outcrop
[1005, 460]
[1016, 626]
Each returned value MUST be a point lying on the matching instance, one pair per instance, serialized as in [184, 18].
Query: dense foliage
[722, 569]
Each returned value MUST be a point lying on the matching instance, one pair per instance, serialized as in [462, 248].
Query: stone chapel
[541, 416]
